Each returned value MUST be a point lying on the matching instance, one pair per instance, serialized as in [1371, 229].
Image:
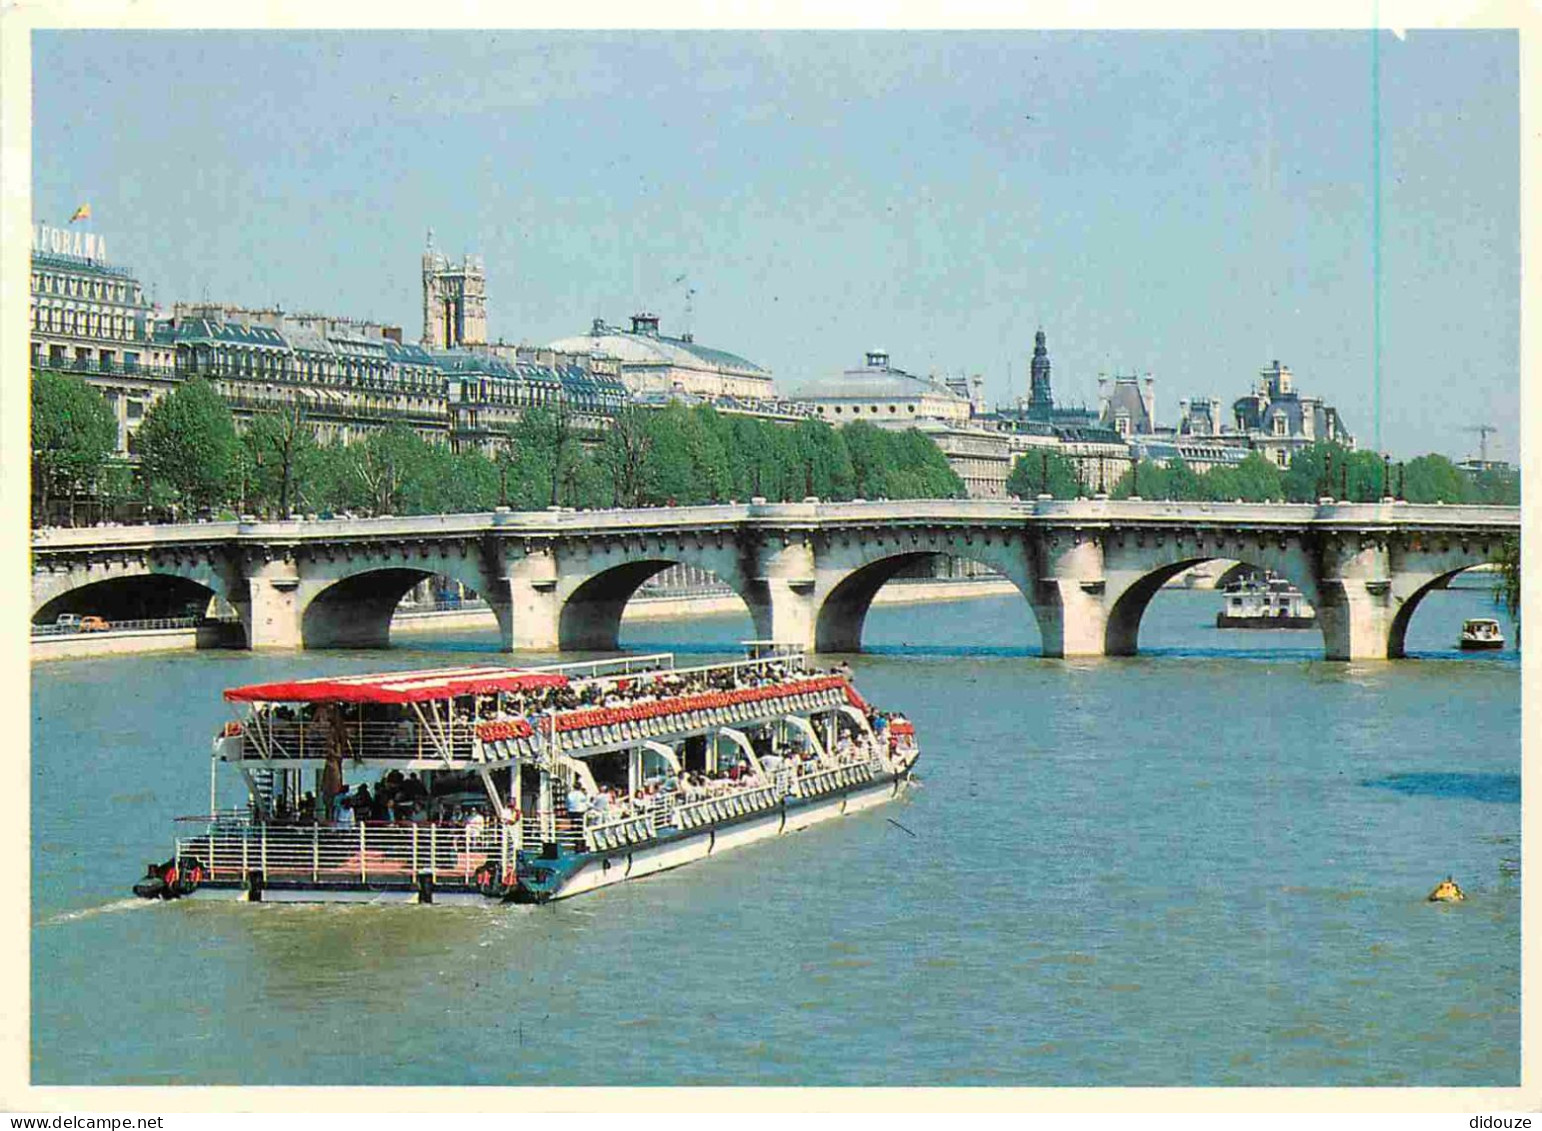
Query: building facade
[1278, 421]
[886, 396]
[652, 362]
[1127, 405]
[92, 319]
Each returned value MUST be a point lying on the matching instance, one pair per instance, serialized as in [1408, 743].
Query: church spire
[1041, 402]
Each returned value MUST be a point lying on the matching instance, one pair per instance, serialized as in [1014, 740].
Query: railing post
[363, 867]
[315, 854]
[265, 851]
[415, 848]
[433, 852]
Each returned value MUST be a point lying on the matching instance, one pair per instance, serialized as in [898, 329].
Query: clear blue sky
[1188, 204]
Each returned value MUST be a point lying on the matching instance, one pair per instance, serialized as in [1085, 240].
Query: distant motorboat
[1265, 601]
[1481, 634]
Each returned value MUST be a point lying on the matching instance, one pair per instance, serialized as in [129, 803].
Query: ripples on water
[1202, 865]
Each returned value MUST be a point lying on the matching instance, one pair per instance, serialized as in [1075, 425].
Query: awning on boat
[397, 687]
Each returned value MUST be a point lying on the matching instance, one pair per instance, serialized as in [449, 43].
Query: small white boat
[1481, 634]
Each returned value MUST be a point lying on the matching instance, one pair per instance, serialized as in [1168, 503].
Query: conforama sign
[63, 241]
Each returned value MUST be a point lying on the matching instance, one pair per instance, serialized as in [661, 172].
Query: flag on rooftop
[81, 213]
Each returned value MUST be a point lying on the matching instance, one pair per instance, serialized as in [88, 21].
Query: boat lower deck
[444, 864]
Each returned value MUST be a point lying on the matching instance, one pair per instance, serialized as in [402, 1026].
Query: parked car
[93, 624]
[67, 622]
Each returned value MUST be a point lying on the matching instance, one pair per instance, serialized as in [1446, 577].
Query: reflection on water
[1202, 865]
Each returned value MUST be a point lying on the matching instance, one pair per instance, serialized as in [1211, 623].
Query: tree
[1036, 472]
[279, 450]
[623, 454]
[187, 445]
[1435, 479]
[544, 440]
[1254, 480]
[1145, 480]
[1183, 483]
[1498, 486]
[388, 468]
[1507, 585]
[73, 434]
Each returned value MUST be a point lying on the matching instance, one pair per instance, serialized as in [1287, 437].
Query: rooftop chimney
[648, 324]
[877, 359]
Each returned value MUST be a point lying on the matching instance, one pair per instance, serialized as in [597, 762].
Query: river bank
[86, 645]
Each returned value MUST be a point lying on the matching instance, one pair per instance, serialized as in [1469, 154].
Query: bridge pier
[1068, 596]
[270, 612]
[528, 606]
[780, 594]
[1357, 617]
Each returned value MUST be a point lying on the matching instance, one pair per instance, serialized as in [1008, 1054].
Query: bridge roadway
[806, 571]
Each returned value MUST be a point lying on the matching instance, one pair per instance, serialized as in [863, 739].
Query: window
[136, 409]
[892, 409]
[1280, 424]
[910, 408]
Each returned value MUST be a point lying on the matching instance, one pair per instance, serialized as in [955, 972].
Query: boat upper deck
[492, 716]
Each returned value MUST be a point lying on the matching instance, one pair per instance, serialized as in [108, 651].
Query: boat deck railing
[295, 738]
[381, 855]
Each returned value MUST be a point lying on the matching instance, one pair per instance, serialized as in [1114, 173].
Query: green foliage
[278, 452]
[188, 449]
[1254, 480]
[73, 434]
[1497, 487]
[1435, 479]
[1145, 480]
[1507, 584]
[1037, 472]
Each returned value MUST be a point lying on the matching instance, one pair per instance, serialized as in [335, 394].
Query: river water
[1205, 865]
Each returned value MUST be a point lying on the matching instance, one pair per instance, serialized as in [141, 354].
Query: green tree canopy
[1435, 479]
[187, 445]
[73, 434]
[1034, 473]
[278, 453]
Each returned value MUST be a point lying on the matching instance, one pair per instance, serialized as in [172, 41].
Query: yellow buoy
[1447, 891]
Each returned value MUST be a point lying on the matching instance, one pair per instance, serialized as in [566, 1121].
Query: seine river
[1202, 866]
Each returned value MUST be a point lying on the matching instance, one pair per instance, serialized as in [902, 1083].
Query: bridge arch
[144, 596]
[591, 605]
[1131, 586]
[1408, 605]
[846, 592]
[130, 590]
[353, 606]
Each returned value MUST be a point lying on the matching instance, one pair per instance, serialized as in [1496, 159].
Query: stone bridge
[807, 571]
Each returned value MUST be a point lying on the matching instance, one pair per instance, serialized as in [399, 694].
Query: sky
[1189, 205]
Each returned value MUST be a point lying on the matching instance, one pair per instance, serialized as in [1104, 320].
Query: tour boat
[1265, 602]
[479, 784]
[1481, 634]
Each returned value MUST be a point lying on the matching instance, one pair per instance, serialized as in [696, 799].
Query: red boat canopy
[397, 687]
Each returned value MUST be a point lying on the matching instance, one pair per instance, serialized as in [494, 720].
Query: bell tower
[1041, 402]
[454, 300]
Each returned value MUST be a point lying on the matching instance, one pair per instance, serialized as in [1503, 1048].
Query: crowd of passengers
[396, 797]
[338, 721]
[609, 803]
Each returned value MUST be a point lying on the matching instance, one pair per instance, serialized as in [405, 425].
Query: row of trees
[1315, 471]
[192, 459]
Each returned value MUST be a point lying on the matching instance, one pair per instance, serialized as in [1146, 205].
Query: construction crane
[1483, 431]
